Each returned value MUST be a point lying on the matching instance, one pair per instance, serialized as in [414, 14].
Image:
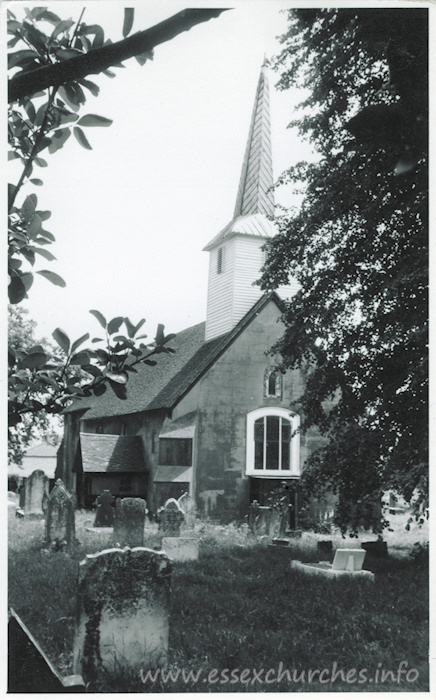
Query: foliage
[40, 379]
[358, 247]
[21, 336]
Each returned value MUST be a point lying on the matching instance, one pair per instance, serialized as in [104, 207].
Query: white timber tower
[236, 255]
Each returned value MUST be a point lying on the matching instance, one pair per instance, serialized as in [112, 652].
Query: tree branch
[97, 60]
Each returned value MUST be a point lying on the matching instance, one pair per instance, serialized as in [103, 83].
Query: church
[213, 418]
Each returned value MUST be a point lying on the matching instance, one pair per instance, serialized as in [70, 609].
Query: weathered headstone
[36, 493]
[104, 516]
[325, 548]
[129, 522]
[253, 515]
[187, 504]
[22, 495]
[377, 549]
[60, 524]
[29, 669]
[123, 612]
[171, 516]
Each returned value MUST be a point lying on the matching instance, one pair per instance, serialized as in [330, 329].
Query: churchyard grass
[241, 607]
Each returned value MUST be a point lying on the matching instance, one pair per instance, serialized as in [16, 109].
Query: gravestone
[171, 516]
[22, 495]
[129, 521]
[253, 514]
[29, 669]
[60, 524]
[377, 549]
[325, 548]
[187, 504]
[122, 612]
[36, 494]
[347, 562]
[104, 516]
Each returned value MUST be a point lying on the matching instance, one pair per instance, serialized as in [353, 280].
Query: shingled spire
[254, 194]
[237, 252]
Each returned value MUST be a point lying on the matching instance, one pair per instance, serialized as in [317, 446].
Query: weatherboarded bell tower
[236, 253]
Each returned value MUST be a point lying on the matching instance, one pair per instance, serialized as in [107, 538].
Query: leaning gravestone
[36, 493]
[60, 524]
[123, 612]
[29, 669]
[187, 504]
[129, 522]
[104, 516]
[171, 516]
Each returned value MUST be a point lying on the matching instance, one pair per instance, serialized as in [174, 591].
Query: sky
[132, 216]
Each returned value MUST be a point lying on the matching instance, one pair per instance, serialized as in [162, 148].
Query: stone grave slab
[104, 516]
[347, 562]
[36, 494]
[129, 521]
[29, 669]
[122, 612]
[171, 517]
[181, 548]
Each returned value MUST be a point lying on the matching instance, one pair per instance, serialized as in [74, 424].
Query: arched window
[273, 445]
[273, 382]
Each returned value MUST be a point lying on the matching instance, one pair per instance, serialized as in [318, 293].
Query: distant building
[41, 456]
[213, 418]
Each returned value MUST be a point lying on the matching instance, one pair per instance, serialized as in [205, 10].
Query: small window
[219, 263]
[175, 452]
[273, 383]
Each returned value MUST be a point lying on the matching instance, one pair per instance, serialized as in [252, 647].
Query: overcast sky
[131, 216]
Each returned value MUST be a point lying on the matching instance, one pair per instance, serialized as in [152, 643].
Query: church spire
[254, 194]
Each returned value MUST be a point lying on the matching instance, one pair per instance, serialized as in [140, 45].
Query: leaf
[41, 162]
[109, 73]
[28, 209]
[44, 215]
[34, 360]
[118, 389]
[119, 378]
[130, 327]
[160, 334]
[129, 14]
[36, 181]
[63, 26]
[52, 277]
[80, 136]
[92, 87]
[144, 57]
[34, 227]
[17, 58]
[94, 120]
[62, 339]
[114, 325]
[79, 342]
[45, 253]
[100, 318]
[99, 389]
[12, 155]
[80, 358]
[16, 290]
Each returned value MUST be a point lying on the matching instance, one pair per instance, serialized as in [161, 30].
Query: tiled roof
[149, 381]
[162, 386]
[111, 453]
[255, 200]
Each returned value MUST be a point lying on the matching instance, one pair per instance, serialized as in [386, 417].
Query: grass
[241, 607]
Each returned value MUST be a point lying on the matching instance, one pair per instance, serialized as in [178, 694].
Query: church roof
[111, 453]
[255, 201]
[163, 385]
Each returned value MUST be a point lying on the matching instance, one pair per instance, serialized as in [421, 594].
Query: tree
[52, 57]
[21, 337]
[358, 248]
